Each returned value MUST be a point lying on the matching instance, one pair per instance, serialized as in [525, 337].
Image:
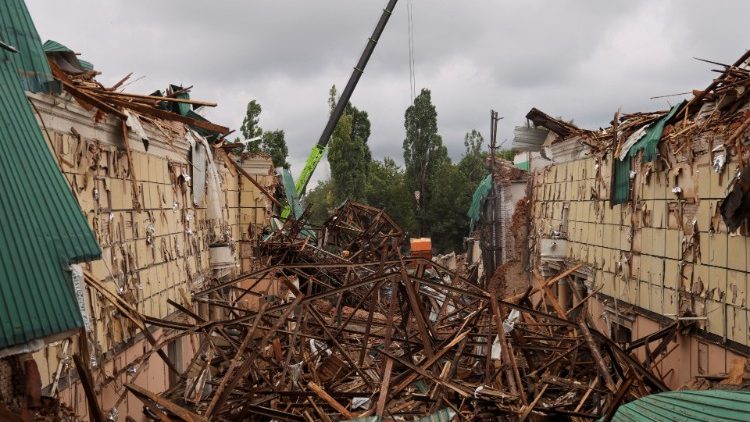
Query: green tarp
[649, 144]
[477, 200]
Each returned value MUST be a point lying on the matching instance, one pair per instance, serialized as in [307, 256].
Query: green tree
[472, 164]
[360, 127]
[348, 153]
[387, 189]
[273, 143]
[447, 213]
[270, 142]
[321, 202]
[506, 154]
[250, 128]
[424, 154]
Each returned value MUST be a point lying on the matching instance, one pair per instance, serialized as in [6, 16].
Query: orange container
[420, 244]
[421, 247]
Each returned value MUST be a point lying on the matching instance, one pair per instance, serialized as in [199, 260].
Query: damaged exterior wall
[646, 257]
[150, 255]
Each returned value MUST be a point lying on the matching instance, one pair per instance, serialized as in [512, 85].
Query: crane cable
[410, 23]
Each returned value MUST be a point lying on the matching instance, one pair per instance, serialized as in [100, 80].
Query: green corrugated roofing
[44, 229]
[51, 46]
[524, 165]
[18, 30]
[650, 141]
[698, 406]
[621, 191]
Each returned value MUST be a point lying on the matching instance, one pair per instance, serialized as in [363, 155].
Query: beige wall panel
[718, 249]
[655, 269]
[673, 244]
[737, 252]
[647, 189]
[606, 262]
[717, 283]
[644, 295]
[607, 238]
[658, 186]
[704, 180]
[574, 170]
[607, 281]
[624, 239]
[717, 185]
[656, 298]
[597, 233]
[737, 324]
[671, 274]
[647, 242]
[736, 288]
[716, 312]
[659, 238]
[700, 278]
[671, 302]
[629, 290]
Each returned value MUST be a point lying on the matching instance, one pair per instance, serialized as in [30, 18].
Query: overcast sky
[577, 59]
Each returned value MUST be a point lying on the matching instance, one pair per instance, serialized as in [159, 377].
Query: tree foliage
[348, 153]
[424, 154]
[386, 188]
[320, 199]
[273, 143]
[445, 187]
[472, 164]
[250, 127]
[270, 142]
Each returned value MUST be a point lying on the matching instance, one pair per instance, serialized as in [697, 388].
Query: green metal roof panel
[699, 406]
[621, 188]
[525, 165]
[18, 30]
[86, 65]
[650, 141]
[50, 46]
[44, 229]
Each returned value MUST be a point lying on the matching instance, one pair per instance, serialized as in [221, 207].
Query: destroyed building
[115, 195]
[654, 207]
[149, 273]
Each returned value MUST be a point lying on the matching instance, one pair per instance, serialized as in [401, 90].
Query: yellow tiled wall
[665, 276]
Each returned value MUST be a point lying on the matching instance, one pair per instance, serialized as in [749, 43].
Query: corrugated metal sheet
[621, 191]
[44, 229]
[65, 58]
[650, 142]
[18, 30]
[529, 138]
[698, 406]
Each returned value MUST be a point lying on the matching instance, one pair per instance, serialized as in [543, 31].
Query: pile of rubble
[342, 325]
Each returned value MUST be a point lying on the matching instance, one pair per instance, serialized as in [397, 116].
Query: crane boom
[319, 149]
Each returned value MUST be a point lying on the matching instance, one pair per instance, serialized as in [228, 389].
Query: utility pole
[495, 227]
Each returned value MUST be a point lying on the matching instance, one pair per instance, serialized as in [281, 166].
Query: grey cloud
[580, 60]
